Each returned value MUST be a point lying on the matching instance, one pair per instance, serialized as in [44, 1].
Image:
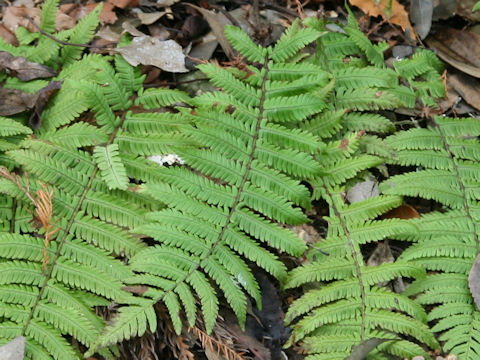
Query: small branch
[65, 43]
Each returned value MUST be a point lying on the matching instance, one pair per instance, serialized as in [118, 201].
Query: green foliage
[51, 280]
[243, 178]
[345, 301]
[286, 121]
[447, 242]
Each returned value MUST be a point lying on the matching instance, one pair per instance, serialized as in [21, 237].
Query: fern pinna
[88, 155]
[346, 305]
[227, 205]
[447, 156]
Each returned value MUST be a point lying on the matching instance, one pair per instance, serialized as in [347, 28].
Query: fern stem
[356, 259]
[66, 232]
[14, 211]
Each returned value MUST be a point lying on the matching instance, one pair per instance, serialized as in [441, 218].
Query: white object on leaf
[168, 159]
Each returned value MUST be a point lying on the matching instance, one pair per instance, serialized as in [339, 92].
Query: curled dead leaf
[25, 70]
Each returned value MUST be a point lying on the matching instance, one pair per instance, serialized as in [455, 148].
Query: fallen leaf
[362, 191]
[43, 95]
[108, 34]
[107, 16]
[381, 255]
[421, 12]
[8, 36]
[361, 351]
[454, 102]
[193, 27]
[397, 16]
[404, 211]
[123, 4]
[135, 289]
[13, 350]
[25, 70]
[13, 17]
[307, 233]
[459, 48]
[217, 22]
[150, 18]
[146, 50]
[13, 101]
[464, 9]
[163, 3]
[466, 86]
[204, 50]
[474, 281]
[130, 26]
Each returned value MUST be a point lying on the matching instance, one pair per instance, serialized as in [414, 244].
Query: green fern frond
[347, 305]
[31, 86]
[446, 243]
[9, 127]
[64, 108]
[292, 41]
[245, 180]
[82, 33]
[242, 42]
[155, 98]
[130, 77]
[111, 167]
[95, 223]
[47, 19]
[348, 290]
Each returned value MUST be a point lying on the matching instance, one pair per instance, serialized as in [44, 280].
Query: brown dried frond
[215, 345]
[42, 200]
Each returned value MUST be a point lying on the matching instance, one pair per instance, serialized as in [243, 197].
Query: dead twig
[65, 43]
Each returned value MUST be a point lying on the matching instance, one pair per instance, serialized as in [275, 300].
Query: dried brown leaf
[459, 48]
[467, 87]
[43, 95]
[150, 18]
[8, 36]
[13, 17]
[13, 101]
[123, 4]
[217, 22]
[25, 70]
[397, 16]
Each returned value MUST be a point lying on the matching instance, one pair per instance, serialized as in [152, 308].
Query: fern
[286, 118]
[446, 242]
[52, 275]
[246, 178]
[345, 303]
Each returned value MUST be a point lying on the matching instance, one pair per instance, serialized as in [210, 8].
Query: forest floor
[450, 28]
